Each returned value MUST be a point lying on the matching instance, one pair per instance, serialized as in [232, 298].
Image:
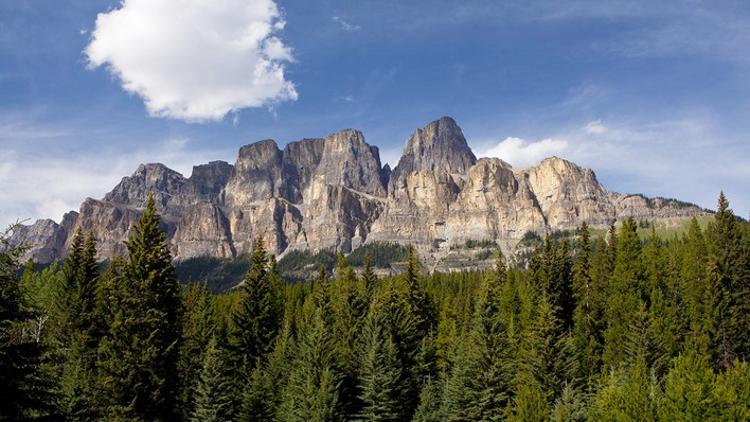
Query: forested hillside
[599, 328]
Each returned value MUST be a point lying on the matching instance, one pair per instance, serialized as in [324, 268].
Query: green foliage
[138, 354]
[379, 374]
[198, 329]
[214, 394]
[476, 244]
[299, 265]
[77, 329]
[219, 274]
[258, 317]
[312, 390]
[382, 254]
[23, 389]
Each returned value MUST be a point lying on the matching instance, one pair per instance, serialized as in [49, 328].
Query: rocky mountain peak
[349, 161]
[439, 146]
[332, 192]
[154, 178]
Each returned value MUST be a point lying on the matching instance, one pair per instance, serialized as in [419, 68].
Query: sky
[654, 96]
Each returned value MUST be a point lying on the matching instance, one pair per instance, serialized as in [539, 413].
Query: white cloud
[195, 60]
[346, 26]
[521, 153]
[595, 127]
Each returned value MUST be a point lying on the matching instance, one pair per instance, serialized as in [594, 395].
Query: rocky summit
[333, 193]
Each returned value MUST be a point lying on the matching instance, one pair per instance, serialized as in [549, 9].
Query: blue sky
[652, 95]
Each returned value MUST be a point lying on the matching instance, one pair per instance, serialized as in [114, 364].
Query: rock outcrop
[333, 192]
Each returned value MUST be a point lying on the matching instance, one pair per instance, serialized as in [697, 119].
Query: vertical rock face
[207, 182]
[332, 192]
[257, 174]
[300, 160]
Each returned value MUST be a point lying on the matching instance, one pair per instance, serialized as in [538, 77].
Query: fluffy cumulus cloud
[523, 153]
[195, 60]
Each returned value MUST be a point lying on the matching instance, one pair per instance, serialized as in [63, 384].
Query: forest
[603, 328]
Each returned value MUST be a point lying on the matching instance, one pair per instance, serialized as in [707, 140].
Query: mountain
[333, 193]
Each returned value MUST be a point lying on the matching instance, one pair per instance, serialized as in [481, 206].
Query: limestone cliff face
[332, 192]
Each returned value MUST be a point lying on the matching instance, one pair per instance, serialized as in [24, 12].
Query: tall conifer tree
[138, 355]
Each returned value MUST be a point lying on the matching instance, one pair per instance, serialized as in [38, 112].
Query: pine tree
[368, 277]
[732, 260]
[23, 389]
[258, 317]
[570, 406]
[430, 403]
[198, 328]
[379, 374]
[311, 394]
[625, 292]
[261, 396]
[626, 395]
[530, 405]
[588, 312]
[214, 395]
[489, 354]
[688, 390]
[79, 329]
[138, 355]
[732, 393]
[421, 306]
[698, 291]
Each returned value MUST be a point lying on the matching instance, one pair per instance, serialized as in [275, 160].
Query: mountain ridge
[334, 193]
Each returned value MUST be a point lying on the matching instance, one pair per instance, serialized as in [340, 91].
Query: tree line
[611, 328]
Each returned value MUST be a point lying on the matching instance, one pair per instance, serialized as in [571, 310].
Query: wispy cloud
[595, 127]
[346, 26]
[35, 184]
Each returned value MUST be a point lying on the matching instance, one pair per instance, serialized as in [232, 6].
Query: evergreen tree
[456, 399]
[732, 258]
[368, 277]
[588, 312]
[625, 289]
[698, 288]
[23, 391]
[214, 395]
[258, 317]
[379, 374]
[530, 405]
[262, 394]
[311, 394]
[489, 354]
[138, 355]
[732, 393]
[198, 328]
[688, 390]
[418, 299]
[570, 406]
[430, 403]
[626, 395]
[78, 329]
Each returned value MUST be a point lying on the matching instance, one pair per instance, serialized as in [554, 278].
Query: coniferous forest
[601, 328]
